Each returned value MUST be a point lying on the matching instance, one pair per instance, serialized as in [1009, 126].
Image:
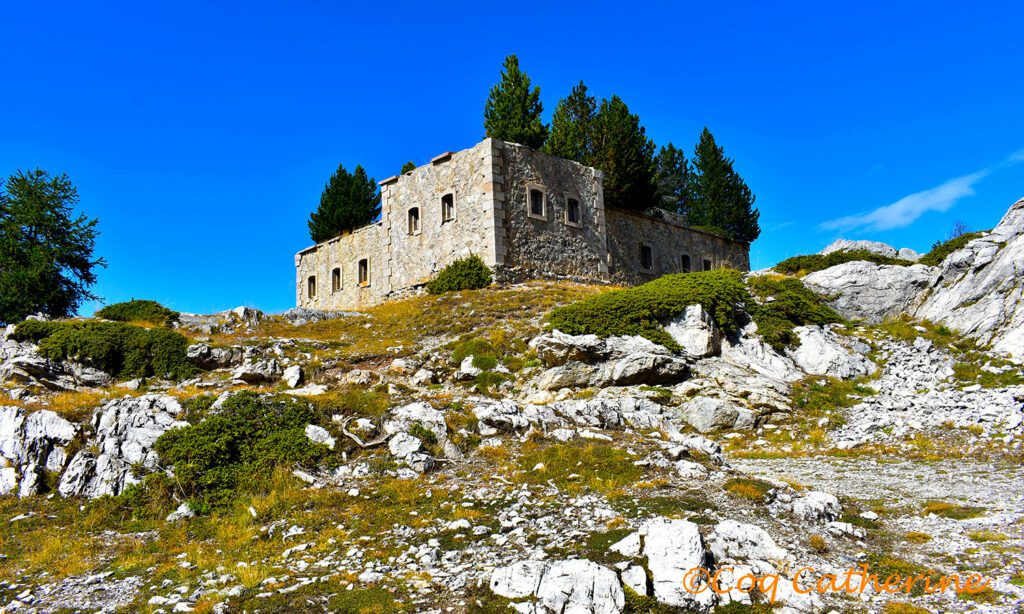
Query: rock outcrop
[124, 432]
[31, 443]
[979, 290]
[871, 292]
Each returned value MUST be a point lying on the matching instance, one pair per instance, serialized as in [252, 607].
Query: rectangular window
[447, 208]
[364, 272]
[646, 257]
[414, 221]
[538, 204]
[707, 265]
[336, 280]
[311, 286]
[685, 262]
[572, 212]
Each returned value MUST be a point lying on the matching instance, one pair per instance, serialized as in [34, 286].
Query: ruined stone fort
[527, 214]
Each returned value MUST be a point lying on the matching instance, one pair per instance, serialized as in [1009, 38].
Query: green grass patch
[600, 467]
[942, 249]
[819, 262]
[139, 311]
[952, 510]
[120, 349]
[748, 488]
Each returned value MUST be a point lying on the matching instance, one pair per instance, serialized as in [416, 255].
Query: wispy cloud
[906, 210]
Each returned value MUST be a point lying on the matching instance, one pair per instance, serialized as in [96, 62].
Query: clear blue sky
[201, 134]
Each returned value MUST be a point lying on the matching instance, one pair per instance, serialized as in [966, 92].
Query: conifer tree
[349, 201]
[622, 151]
[572, 126]
[720, 197]
[46, 251]
[512, 111]
[673, 176]
[408, 166]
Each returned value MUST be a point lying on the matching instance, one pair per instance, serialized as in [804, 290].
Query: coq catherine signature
[855, 581]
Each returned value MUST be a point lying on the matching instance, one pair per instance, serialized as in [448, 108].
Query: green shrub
[791, 304]
[467, 273]
[138, 311]
[120, 349]
[641, 310]
[818, 262]
[942, 249]
[238, 447]
[480, 349]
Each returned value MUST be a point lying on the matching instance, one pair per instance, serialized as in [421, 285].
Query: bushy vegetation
[138, 311]
[819, 262]
[120, 349]
[641, 310]
[238, 447]
[722, 293]
[791, 304]
[468, 273]
[941, 250]
[483, 353]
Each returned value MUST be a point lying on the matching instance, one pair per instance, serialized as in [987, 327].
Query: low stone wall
[669, 241]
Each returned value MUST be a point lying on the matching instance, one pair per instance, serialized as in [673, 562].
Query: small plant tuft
[139, 311]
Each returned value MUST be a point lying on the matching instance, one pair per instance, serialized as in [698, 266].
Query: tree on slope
[720, 197]
[572, 126]
[349, 201]
[622, 151]
[512, 111]
[46, 252]
[673, 177]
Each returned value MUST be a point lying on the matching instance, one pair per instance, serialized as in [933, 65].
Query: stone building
[525, 213]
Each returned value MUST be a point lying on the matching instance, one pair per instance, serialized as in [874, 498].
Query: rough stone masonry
[525, 213]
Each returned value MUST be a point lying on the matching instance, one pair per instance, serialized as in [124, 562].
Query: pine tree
[673, 176]
[408, 166]
[512, 111]
[572, 126]
[625, 155]
[721, 199]
[46, 261]
[349, 201]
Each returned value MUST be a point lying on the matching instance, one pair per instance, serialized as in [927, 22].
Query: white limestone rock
[30, 443]
[743, 542]
[125, 430]
[557, 348]
[578, 586]
[818, 507]
[258, 370]
[318, 434]
[409, 450]
[710, 414]
[696, 332]
[293, 376]
[875, 247]
[870, 291]
[821, 352]
[674, 547]
[980, 288]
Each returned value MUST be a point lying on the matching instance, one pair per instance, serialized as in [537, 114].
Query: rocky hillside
[544, 447]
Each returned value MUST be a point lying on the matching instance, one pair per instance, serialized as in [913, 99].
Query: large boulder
[696, 332]
[622, 361]
[709, 414]
[823, 352]
[673, 548]
[124, 433]
[557, 348]
[578, 586]
[868, 291]
[736, 541]
[21, 362]
[29, 444]
[875, 247]
[980, 288]
[207, 357]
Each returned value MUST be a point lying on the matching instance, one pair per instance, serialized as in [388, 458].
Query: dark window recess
[414, 220]
[572, 211]
[646, 257]
[447, 208]
[537, 203]
[707, 265]
[311, 286]
[336, 280]
[685, 262]
[364, 272]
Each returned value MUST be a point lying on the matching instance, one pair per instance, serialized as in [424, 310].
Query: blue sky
[201, 133]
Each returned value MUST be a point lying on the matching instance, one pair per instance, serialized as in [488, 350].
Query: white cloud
[906, 210]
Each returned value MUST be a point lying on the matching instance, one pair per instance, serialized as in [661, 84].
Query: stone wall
[466, 176]
[549, 245]
[344, 253]
[668, 241]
